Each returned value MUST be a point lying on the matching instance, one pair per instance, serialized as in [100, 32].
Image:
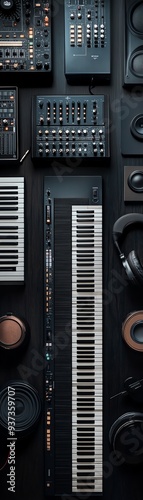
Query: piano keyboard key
[87, 349]
[12, 230]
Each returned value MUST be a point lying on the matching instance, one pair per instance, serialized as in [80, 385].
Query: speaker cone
[136, 62]
[135, 181]
[27, 405]
[136, 19]
[136, 127]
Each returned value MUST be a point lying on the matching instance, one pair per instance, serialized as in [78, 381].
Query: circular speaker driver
[27, 407]
[136, 127]
[126, 437]
[135, 181]
[132, 330]
[136, 62]
[135, 19]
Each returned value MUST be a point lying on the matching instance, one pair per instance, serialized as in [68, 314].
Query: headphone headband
[123, 222]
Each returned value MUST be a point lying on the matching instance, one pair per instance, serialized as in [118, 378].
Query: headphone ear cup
[136, 268]
[123, 432]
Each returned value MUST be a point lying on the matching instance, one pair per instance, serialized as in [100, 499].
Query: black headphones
[126, 433]
[131, 264]
[126, 437]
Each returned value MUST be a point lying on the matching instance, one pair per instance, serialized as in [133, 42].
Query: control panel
[49, 338]
[25, 36]
[87, 39]
[9, 149]
[70, 126]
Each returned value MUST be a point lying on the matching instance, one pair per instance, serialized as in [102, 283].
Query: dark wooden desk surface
[118, 299]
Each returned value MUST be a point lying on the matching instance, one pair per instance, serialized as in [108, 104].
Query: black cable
[91, 86]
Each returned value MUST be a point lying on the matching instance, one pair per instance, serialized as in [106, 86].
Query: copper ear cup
[132, 331]
[14, 334]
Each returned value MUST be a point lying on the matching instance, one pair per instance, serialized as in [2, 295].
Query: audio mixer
[25, 37]
[70, 126]
[87, 40]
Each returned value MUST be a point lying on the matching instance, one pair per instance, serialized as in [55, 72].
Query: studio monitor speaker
[133, 46]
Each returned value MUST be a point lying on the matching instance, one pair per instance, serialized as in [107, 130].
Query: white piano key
[8, 224]
[87, 365]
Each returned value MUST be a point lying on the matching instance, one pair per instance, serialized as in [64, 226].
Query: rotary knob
[5, 122]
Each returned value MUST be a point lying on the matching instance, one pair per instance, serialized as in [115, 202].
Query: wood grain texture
[119, 298]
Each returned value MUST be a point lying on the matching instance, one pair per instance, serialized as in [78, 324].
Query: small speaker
[133, 56]
[133, 183]
[26, 406]
[132, 126]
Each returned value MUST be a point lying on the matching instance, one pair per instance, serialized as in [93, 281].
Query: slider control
[48, 214]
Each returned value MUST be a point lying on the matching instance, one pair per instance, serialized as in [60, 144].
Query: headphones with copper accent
[131, 264]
